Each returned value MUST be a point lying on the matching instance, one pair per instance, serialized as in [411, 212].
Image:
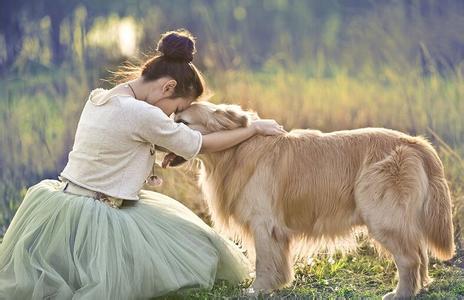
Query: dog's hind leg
[408, 263]
[424, 265]
[273, 257]
[390, 196]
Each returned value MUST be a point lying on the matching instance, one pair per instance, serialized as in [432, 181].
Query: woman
[95, 234]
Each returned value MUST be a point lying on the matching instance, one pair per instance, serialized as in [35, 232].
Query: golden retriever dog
[319, 186]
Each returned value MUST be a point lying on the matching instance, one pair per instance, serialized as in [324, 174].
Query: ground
[361, 275]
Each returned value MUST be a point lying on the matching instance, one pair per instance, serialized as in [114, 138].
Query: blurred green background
[328, 65]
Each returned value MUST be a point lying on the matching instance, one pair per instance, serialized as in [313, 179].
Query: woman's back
[113, 148]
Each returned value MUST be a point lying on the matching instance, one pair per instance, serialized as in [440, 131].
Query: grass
[351, 276]
[39, 114]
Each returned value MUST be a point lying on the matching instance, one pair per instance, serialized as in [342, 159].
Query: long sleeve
[153, 126]
[111, 151]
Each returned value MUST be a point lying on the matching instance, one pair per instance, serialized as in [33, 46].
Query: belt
[75, 189]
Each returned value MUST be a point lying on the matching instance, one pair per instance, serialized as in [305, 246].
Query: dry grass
[39, 116]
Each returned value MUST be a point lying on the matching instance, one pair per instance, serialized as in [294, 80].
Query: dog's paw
[389, 296]
[426, 281]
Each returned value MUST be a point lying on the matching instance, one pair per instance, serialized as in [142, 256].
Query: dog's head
[207, 117]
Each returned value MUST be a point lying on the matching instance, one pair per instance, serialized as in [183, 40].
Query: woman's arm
[221, 140]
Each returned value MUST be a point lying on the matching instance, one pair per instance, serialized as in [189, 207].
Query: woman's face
[173, 105]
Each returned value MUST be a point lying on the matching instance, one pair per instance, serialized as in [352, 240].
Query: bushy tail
[437, 209]
[438, 221]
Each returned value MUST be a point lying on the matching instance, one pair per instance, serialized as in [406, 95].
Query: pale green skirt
[62, 246]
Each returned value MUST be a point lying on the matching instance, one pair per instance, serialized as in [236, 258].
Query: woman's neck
[149, 91]
[139, 88]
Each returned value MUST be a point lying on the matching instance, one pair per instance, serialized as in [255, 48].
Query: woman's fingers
[282, 129]
[268, 127]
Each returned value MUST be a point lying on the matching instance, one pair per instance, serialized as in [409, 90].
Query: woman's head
[169, 79]
[174, 59]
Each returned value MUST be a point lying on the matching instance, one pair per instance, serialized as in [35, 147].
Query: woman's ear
[169, 86]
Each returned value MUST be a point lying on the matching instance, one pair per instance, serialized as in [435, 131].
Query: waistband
[72, 188]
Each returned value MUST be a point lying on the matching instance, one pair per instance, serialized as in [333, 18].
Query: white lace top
[111, 151]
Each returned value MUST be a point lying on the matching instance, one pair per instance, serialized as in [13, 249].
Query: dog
[312, 186]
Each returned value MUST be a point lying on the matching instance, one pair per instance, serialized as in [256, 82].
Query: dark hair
[173, 58]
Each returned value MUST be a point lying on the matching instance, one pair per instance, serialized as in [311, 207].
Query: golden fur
[313, 185]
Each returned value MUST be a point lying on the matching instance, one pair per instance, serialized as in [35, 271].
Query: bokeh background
[332, 64]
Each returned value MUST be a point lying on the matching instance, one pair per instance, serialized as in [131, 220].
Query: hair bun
[177, 45]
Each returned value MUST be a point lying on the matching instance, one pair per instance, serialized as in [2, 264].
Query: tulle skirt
[63, 246]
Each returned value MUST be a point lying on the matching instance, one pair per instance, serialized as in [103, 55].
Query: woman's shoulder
[137, 106]
[100, 96]
[135, 109]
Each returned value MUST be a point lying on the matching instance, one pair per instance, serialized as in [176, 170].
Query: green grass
[351, 276]
[39, 114]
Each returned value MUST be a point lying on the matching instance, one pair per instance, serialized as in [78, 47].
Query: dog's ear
[229, 117]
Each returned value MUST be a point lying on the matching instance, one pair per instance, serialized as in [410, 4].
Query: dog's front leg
[273, 257]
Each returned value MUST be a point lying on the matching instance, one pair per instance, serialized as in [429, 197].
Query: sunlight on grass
[363, 275]
[43, 112]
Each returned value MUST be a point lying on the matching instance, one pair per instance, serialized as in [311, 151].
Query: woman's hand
[267, 127]
[221, 140]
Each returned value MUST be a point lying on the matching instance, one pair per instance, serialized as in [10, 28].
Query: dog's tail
[437, 214]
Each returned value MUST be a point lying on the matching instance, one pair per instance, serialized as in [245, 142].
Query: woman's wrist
[254, 128]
